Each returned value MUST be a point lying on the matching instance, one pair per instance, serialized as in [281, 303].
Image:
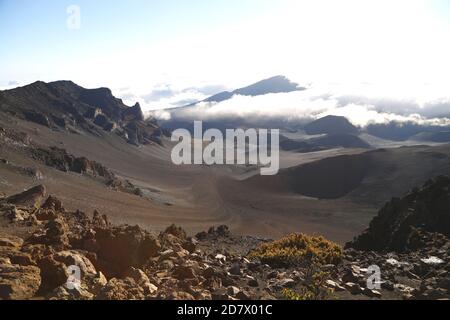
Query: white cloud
[362, 104]
[159, 93]
[163, 96]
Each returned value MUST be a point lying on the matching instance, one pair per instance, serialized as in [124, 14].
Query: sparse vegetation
[313, 287]
[290, 294]
[298, 248]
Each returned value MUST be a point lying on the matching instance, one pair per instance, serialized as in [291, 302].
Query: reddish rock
[18, 282]
[121, 247]
[183, 273]
[121, 289]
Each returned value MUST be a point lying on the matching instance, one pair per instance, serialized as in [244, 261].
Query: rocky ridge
[401, 224]
[63, 105]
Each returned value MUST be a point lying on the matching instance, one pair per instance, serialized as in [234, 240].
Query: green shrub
[296, 249]
[313, 287]
[290, 294]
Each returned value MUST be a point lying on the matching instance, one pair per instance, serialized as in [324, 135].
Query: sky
[172, 52]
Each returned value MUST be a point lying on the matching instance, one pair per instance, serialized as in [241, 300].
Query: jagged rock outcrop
[61, 160]
[38, 118]
[60, 121]
[133, 113]
[92, 113]
[55, 232]
[102, 121]
[399, 223]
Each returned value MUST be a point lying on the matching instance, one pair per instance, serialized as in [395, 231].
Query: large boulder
[55, 233]
[18, 282]
[31, 197]
[118, 248]
[76, 258]
[55, 268]
[175, 231]
[53, 203]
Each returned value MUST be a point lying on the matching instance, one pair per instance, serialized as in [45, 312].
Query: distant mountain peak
[331, 125]
[67, 82]
[276, 84]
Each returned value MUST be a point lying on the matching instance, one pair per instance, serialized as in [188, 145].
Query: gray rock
[233, 291]
[353, 288]
[253, 283]
[286, 283]
[350, 276]
[372, 293]
[334, 285]
[243, 295]
[235, 269]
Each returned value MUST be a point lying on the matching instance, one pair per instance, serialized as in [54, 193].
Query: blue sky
[34, 31]
[186, 48]
[40, 24]
[37, 45]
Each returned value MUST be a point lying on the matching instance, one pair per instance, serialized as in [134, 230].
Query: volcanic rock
[38, 118]
[31, 197]
[121, 289]
[121, 247]
[19, 282]
[401, 221]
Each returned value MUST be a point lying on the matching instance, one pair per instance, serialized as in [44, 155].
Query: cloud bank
[166, 96]
[362, 104]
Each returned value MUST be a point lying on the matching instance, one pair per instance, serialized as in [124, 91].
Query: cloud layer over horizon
[362, 104]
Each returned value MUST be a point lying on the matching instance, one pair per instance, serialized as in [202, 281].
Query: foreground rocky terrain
[40, 241]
